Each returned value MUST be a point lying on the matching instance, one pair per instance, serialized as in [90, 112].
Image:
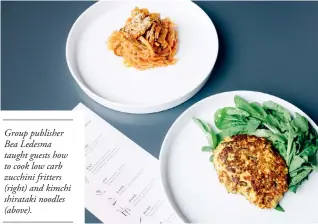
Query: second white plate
[191, 183]
[103, 76]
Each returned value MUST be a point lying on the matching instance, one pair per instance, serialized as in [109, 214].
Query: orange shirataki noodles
[146, 41]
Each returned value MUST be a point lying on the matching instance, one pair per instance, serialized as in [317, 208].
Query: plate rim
[165, 149]
[133, 108]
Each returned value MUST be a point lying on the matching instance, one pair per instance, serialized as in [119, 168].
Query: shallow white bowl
[103, 76]
[191, 183]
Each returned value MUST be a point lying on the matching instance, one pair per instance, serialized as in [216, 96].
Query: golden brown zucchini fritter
[248, 165]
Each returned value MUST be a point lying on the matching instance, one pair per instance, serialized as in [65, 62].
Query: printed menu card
[122, 179]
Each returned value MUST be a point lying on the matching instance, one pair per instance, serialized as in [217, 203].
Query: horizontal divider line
[37, 222]
[37, 119]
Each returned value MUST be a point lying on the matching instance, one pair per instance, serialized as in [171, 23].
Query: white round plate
[103, 76]
[191, 183]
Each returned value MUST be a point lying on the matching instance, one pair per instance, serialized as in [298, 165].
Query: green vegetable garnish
[207, 149]
[211, 158]
[208, 131]
[279, 208]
